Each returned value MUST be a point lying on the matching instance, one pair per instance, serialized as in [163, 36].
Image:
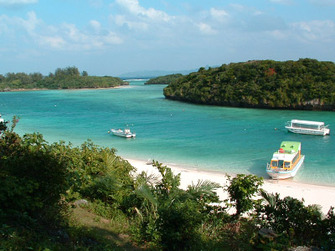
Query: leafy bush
[241, 190]
[296, 223]
[168, 216]
[32, 179]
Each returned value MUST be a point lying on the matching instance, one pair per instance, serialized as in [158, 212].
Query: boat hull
[280, 174]
[121, 133]
[324, 132]
[125, 135]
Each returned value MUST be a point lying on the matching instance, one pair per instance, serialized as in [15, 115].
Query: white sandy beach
[312, 194]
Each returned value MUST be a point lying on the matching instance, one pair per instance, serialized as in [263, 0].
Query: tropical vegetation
[304, 84]
[67, 78]
[164, 80]
[64, 197]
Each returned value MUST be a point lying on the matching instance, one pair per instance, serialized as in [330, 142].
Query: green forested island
[304, 84]
[164, 80]
[67, 78]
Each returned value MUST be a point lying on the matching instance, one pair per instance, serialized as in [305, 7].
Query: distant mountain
[153, 74]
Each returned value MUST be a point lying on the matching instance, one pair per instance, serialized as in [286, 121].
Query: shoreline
[311, 194]
[69, 89]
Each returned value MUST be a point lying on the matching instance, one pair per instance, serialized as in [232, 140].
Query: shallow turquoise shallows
[231, 140]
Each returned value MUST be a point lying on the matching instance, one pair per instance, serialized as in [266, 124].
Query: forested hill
[67, 78]
[304, 84]
[164, 80]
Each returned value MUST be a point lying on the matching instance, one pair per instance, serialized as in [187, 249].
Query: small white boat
[307, 127]
[286, 162]
[126, 133]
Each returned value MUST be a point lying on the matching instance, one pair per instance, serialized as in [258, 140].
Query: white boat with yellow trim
[307, 127]
[286, 162]
[126, 133]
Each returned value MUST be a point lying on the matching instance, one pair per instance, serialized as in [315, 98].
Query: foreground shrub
[32, 180]
[291, 220]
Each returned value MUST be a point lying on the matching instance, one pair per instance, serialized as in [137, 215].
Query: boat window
[278, 163]
[307, 126]
[287, 164]
[295, 158]
[274, 163]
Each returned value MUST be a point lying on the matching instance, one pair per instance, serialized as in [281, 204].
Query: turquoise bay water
[230, 140]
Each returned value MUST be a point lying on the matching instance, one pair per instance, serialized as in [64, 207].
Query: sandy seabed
[312, 194]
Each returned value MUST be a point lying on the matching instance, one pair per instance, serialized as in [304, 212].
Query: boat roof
[291, 148]
[307, 122]
[288, 146]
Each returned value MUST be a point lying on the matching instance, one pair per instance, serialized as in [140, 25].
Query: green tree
[241, 190]
[290, 218]
[32, 179]
[169, 217]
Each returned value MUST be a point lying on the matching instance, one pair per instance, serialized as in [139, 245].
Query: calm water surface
[231, 140]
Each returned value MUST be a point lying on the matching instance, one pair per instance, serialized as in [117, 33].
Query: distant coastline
[72, 89]
[67, 78]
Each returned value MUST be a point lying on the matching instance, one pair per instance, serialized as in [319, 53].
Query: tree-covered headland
[67, 78]
[164, 80]
[61, 197]
[304, 84]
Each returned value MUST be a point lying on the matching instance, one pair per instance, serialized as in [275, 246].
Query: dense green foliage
[168, 216]
[3, 126]
[303, 84]
[294, 223]
[164, 80]
[42, 185]
[241, 189]
[68, 78]
[40, 181]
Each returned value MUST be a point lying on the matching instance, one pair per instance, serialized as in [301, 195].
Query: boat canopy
[307, 122]
[290, 146]
[288, 151]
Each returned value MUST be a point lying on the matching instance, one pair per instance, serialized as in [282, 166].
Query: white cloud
[323, 2]
[15, 3]
[321, 31]
[133, 7]
[206, 29]
[95, 25]
[218, 14]
[31, 23]
[3, 24]
[54, 42]
[18, 1]
[287, 2]
[121, 20]
[63, 37]
[76, 39]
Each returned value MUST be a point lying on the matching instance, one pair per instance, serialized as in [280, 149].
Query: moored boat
[286, 162]
[126, 133]
[307, 127]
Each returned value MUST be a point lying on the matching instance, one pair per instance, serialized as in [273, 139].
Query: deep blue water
[231, 140]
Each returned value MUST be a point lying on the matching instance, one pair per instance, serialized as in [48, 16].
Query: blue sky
[120, 36]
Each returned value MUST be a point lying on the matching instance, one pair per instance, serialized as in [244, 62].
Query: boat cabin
[315, 125]
[287, 156]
